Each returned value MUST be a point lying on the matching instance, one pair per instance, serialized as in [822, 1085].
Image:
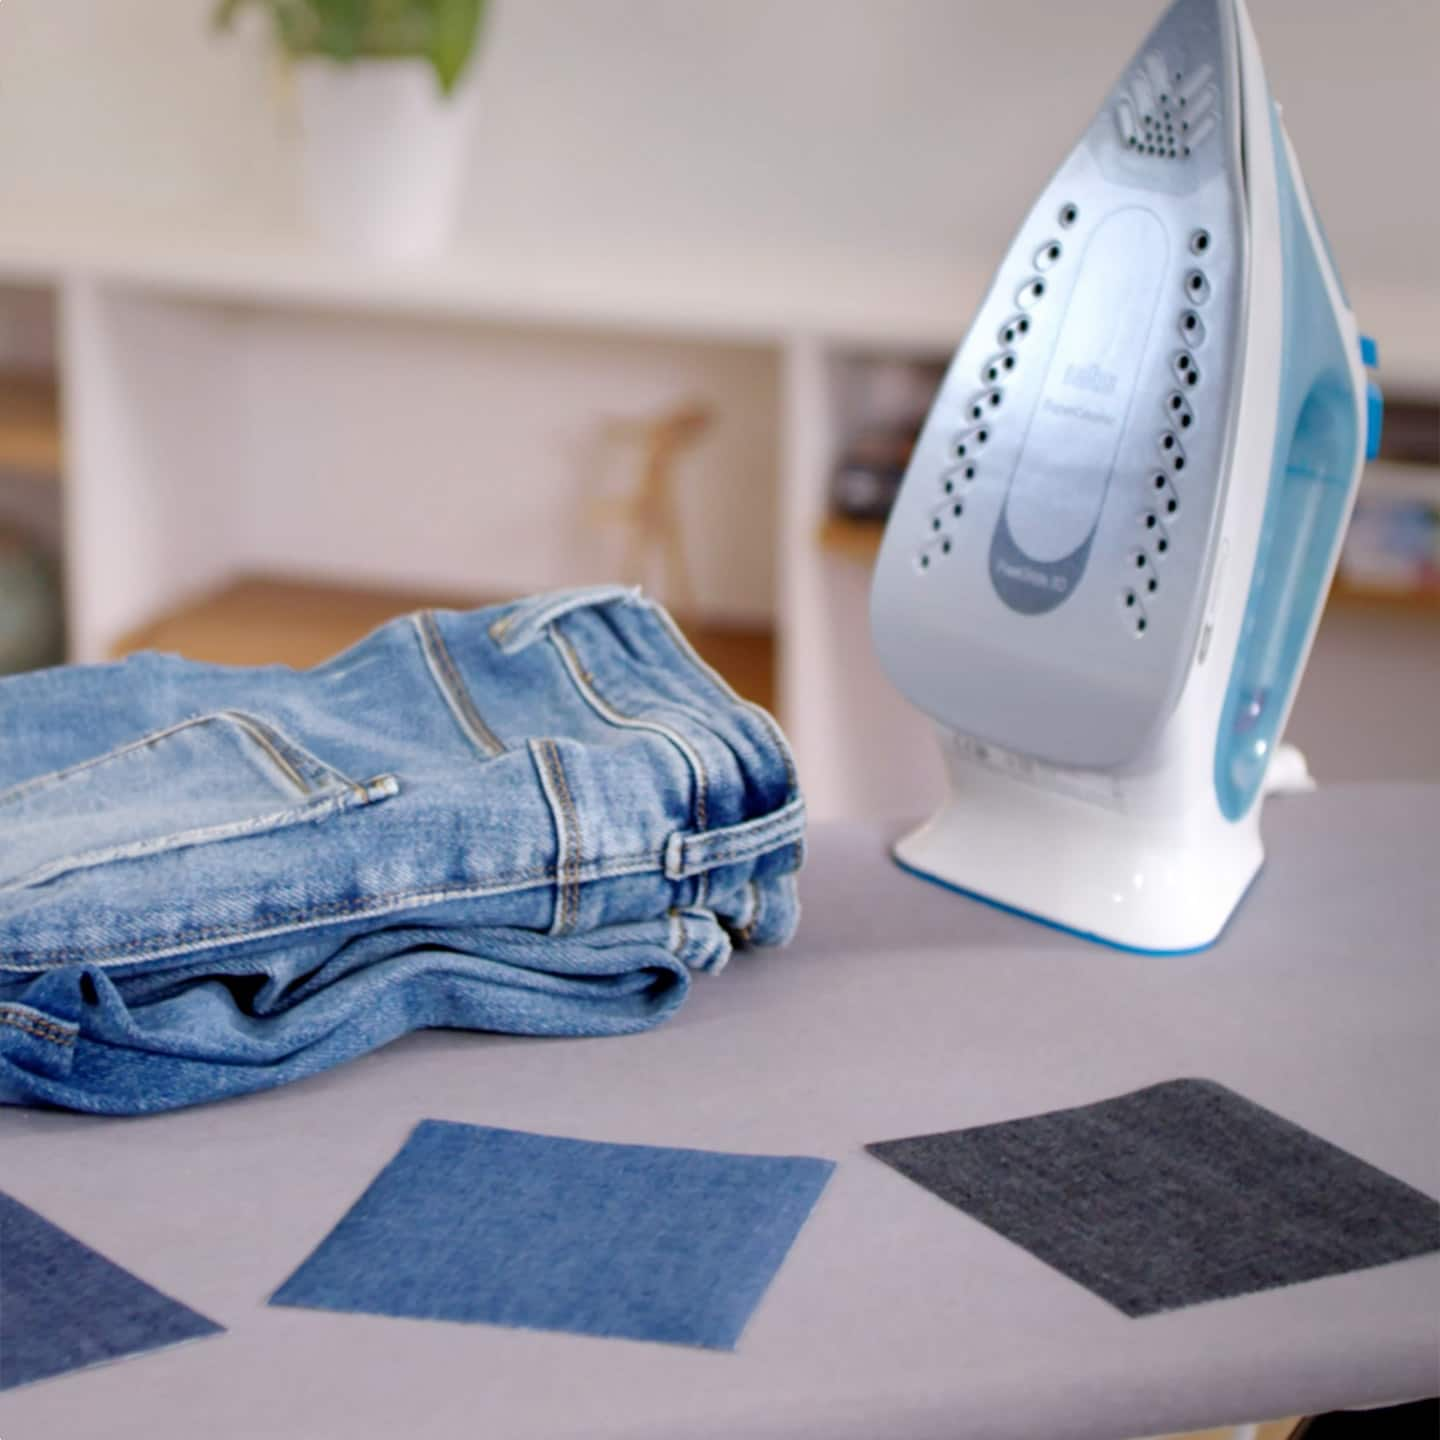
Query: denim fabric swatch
[64, 1307]
[509, 1228]
[1173, 1195]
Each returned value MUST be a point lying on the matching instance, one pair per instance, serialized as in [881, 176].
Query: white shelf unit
[218, 399]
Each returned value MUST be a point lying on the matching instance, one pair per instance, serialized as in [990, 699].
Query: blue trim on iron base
[1374, 419]
[1089, 935]
[1374, 399]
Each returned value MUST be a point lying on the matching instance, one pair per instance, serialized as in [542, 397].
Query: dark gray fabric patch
[64, 1306]
[1173, 1195]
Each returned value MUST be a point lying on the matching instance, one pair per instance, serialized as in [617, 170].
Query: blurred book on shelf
[1392, 548]
[867, 479]
[884, 402]
[32, 632]
[1393, 544]
[1411, 433]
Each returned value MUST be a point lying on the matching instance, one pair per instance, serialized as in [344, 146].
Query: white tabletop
[901, 1009]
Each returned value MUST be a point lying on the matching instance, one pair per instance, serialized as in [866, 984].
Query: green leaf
[444, 32]
[223, 15]
[297, 26]
[455, 25]
[341, 27]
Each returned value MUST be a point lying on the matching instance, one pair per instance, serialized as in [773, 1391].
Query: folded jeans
[538, 818]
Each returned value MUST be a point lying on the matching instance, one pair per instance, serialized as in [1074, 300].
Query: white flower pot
[382, 161]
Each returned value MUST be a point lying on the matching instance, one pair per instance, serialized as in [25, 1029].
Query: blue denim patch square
[63, 1306]
[509, 1228]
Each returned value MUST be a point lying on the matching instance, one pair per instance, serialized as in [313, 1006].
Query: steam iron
[1106, 564]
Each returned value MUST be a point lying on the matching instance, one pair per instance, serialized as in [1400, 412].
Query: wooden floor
[260, 621]
[29, 424]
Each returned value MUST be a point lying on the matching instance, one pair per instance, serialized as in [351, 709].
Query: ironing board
[900, 1009]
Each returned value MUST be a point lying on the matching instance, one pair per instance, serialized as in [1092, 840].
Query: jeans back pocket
[206, 779]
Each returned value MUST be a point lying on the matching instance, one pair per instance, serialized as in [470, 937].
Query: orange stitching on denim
[311, 811]
[745, 931]
[571, 661]
[568, 877]
[123, 951]
[637, 864]
[37, 1026]
[287, 754]
[447, 675]
[708, 672]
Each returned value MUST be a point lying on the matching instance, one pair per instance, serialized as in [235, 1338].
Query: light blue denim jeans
[538, 818]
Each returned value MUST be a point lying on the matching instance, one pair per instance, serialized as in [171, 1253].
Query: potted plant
[385, 103]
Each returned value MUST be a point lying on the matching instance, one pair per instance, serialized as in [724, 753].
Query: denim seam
[131, 952]
[568, 836]
[708, 672]
[312, 811]
[37, 1026]
[452, 688]
[585, 684]
[286, 755]
[289, 754]
[576, 846]
[752, 919]
[135, 951]
[591, 870]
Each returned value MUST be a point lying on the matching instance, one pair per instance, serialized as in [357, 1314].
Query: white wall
[473, 461]
[206, 442]
[688, 128]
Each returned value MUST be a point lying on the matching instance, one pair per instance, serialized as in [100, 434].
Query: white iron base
[1070, 849]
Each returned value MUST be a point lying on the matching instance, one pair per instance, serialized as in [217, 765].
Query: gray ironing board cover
[901, 1009]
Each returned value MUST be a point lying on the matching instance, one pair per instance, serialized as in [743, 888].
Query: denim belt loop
[690, 853]
[525, 622]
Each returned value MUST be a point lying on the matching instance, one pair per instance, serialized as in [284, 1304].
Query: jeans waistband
[631, 664]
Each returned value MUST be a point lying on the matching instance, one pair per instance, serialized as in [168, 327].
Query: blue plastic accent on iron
[1374, 400]
[1374, 419]
[1311, 476]
[1049, 924]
